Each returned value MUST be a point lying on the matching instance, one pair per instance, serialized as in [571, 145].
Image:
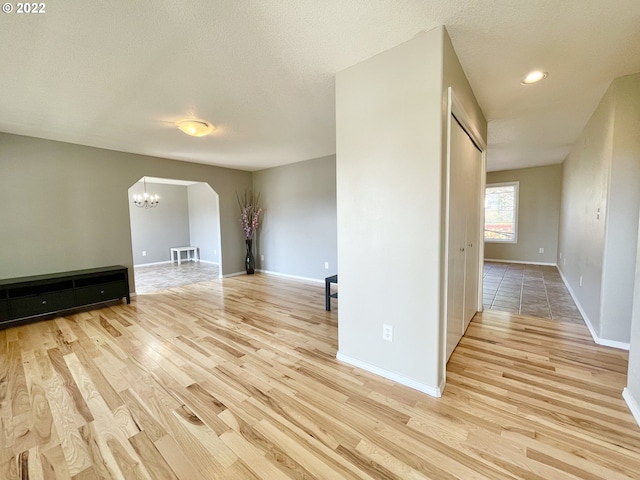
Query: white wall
[599, 213]
[391, 116]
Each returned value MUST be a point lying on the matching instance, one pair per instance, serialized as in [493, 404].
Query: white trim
[614, 344]
[632, 403]
[483, 186]
[152, 263]
[402, 380]
[234, 274]
[444, 299]
[600, 341]
[209, 262]
[295, 277]
[521, 262]
[457, 108]
[161, 263]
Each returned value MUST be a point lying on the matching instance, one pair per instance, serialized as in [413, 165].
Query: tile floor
[535, 290]
[152, 278]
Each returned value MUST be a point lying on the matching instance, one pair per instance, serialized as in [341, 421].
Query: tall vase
[249, 261]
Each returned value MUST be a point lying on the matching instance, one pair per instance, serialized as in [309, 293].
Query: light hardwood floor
[237, 378]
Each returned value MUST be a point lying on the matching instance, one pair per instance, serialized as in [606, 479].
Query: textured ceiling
[119, 74]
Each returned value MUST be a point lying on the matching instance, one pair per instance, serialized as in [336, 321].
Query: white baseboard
[633, 405]
[184, 260]
[234, 274]
[295, 277]
[596, 338]
[402, 380]
[522, 263]
[152, 263]
[613, 343]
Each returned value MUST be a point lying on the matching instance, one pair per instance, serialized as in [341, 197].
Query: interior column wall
[389, 143]
[391, 115]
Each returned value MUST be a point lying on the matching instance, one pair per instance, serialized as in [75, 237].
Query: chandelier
[146, 200]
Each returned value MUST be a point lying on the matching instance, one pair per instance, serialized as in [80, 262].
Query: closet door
[465, 163]
[457, 237]
[473, 164]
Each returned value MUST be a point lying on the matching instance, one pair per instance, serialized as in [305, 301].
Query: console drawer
[101, 292]
[4, 310]
[43, 303]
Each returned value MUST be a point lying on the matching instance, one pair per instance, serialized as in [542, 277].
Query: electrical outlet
[215, 252]
[387, 333]
[262, 258]
[144, 253]
[326, 265]
[541, 250]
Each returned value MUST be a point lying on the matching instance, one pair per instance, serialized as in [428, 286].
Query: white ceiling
[119, 74]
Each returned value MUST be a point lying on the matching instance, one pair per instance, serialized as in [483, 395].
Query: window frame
[516, 185]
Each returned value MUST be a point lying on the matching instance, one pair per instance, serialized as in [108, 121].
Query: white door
[457, 234]
[462, 262]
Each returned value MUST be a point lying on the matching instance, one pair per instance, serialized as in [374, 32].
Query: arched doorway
[187, 215]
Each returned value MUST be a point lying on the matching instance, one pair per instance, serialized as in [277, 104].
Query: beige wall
[156, 230]
[632, 392]
[584, 192]
[629, 131]
[204, 221]
[623, 205]
[540, 191]
[298, 233]
[599, 213]
[391, 112]
[65, 207]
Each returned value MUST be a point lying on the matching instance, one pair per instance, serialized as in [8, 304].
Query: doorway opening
[187, 215]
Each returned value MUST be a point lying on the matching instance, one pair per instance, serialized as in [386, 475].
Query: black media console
[21, 298]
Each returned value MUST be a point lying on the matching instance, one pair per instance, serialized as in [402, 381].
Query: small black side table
[327, 291]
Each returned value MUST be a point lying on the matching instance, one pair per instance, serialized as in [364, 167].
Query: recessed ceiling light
[534, 77]
[195, 128]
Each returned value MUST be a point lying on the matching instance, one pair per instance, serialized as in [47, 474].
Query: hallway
[535, 290]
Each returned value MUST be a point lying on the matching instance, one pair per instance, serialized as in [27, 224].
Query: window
[501, 212]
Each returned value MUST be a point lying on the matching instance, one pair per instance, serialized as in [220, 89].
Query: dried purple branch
[249, 213]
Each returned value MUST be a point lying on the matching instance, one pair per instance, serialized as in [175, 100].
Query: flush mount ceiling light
[195, 128]
[534, 77]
